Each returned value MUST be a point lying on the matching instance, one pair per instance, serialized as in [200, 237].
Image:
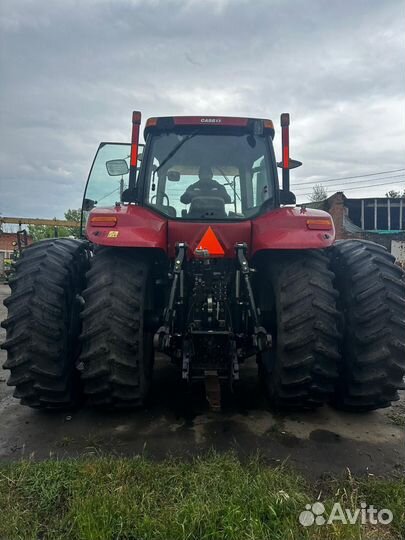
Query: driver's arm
[186, 197]
[224, 194]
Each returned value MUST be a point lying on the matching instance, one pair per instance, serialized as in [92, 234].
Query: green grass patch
[214, 497]
[397, 418]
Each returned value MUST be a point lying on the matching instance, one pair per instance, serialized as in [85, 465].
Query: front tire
[300, 371]
[43, 322]
[372, 299]
[117, 348]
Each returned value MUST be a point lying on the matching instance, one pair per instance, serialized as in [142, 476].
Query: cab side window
[259, 182]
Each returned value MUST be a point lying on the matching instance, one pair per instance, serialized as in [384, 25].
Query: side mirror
[287, 197]
[292, 164]
[117, 167]
[88, 204]
[173, 176]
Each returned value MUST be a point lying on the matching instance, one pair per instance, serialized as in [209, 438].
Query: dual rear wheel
[43, 322]
[339, 328]
[57, 352]
[372, 301]
[301, 369]
[117, 349]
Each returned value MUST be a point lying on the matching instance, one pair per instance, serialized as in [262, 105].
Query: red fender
[292, 228]
[135, 227]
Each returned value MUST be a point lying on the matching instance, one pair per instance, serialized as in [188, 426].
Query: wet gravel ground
[177, 422]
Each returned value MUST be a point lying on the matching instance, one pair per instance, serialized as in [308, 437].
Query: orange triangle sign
[211, 243]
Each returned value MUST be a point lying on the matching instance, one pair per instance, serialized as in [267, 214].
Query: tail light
[103, 221]
[324, 224]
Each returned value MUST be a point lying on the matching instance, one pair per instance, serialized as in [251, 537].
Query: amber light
[103, 221]
[151, 122]
[320, 224]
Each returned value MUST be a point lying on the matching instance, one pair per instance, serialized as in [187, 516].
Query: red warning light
[210, 243]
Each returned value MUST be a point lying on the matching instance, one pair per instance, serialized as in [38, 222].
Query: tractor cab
[196, 170]
[191, 168]
[193, 172]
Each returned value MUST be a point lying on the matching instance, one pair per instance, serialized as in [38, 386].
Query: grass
[396, 418]
[214, 497]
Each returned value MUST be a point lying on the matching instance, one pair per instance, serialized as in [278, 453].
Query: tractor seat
[170, 211]
[165, 209]
[207, 207]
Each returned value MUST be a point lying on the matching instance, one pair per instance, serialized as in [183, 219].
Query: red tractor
[192, 249]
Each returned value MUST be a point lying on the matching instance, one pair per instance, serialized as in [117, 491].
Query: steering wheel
[165, 197]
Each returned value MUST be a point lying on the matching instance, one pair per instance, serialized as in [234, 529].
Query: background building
[7, 246]
[380, 220]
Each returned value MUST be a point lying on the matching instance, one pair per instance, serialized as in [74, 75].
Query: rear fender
[135, 227]
[289, 228]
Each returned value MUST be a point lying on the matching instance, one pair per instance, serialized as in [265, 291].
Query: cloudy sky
[71, 73]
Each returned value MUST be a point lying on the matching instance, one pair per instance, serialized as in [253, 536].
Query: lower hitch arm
[261, 339]
[162, 338]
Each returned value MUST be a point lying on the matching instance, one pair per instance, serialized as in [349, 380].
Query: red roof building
[6, 243]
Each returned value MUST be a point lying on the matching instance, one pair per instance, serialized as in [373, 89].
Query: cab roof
[167, 123]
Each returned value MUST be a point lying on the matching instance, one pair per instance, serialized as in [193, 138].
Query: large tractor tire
[300, 371]
[117, 347]
[372, 299]
[43, 323]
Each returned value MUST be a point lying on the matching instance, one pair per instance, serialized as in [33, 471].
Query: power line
[350, 177]
[349, 189]
[357, 176]
[360, 182]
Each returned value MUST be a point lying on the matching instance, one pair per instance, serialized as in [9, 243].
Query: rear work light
[103, 221]
[324, 224]
[268, 124]
[152, 122]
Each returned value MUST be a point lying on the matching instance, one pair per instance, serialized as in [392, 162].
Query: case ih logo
[210, 120]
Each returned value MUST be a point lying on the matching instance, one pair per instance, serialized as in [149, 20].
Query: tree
[39, 232]
[319, 193]
[73, 215]
[394, 194]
